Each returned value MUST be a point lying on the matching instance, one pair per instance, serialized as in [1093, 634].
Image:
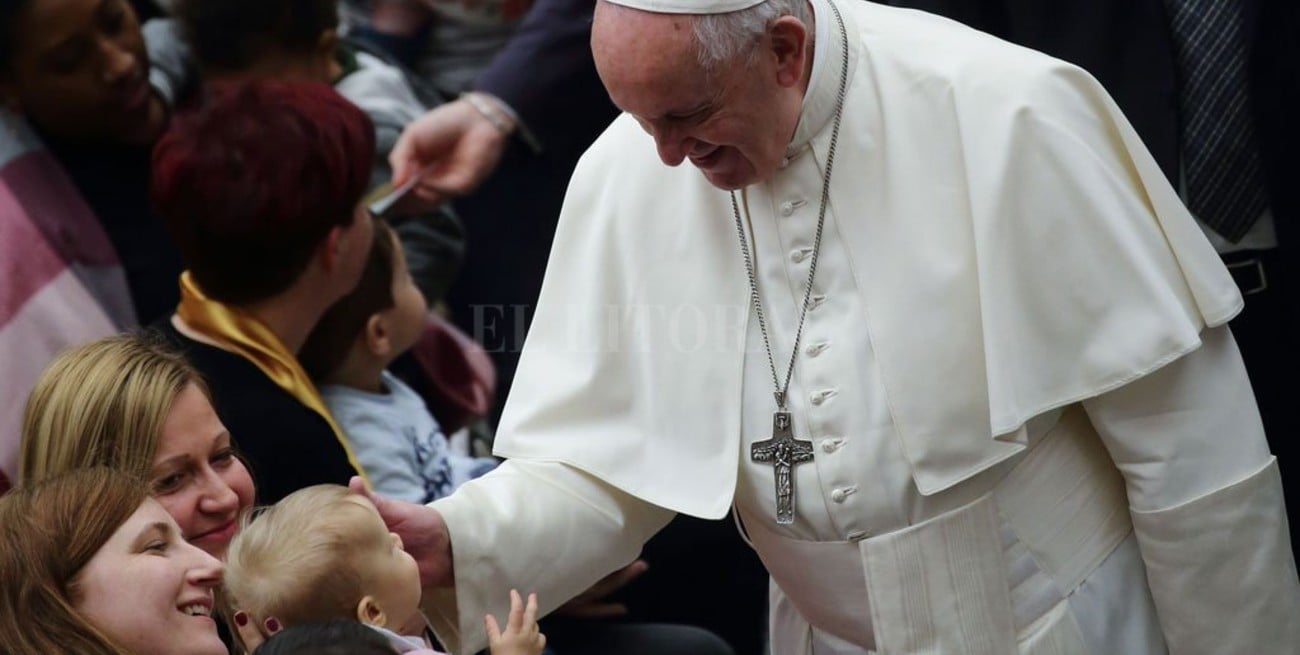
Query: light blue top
[398, 443]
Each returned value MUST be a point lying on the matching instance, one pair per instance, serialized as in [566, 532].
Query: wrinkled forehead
[640, 43]
[647, 61]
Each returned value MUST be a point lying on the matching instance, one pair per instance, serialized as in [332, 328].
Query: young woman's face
[197, 477]
[80, 72]
[149, 590]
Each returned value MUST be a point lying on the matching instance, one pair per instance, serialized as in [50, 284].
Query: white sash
[988, 578]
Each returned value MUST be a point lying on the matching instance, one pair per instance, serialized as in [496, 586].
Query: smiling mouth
[221, 532]
[708, 159]
[197, 609]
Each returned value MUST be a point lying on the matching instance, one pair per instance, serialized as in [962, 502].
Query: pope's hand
[423, 533]
[452, 149]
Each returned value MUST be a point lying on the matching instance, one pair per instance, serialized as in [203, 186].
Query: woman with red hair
[262, 190]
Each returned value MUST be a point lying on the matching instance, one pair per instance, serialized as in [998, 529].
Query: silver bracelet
[494, 117]
[511, 124]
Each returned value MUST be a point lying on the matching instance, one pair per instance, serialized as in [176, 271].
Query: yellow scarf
[249, 338]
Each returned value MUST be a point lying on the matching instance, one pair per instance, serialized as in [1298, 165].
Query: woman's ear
[370, 613]
[331, 249]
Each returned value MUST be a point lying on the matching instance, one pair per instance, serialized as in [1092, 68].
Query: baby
[323, 553]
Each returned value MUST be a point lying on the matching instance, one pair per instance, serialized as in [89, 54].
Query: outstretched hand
[423, 532]
[453, 148]
[522, 636]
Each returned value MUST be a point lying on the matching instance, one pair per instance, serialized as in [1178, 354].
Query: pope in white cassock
[923, 310]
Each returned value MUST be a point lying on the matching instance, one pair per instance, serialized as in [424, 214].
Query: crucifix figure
[784, 452]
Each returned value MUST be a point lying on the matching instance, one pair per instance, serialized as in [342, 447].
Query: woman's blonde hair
[102, 404]
[49, 531]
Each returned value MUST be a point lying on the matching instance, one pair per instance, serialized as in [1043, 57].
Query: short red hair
[253, 182]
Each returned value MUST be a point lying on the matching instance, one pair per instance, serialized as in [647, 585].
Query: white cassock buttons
[816, 301]
[798, 255]
[822, 396]
[831, 445]
[816, 349]
[788, 207]
[840, 495]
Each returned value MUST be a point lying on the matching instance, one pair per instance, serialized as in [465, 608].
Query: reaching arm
[544, 527]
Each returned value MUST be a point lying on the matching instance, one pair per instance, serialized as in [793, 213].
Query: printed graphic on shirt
[431, 461]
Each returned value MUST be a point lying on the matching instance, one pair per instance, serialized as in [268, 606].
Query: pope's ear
[788, 45]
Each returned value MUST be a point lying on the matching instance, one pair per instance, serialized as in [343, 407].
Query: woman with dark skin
[77, 72]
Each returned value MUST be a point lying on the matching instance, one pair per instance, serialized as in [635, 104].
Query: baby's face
[391, 574]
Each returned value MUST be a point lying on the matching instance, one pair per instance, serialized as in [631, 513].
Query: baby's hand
[522, 636]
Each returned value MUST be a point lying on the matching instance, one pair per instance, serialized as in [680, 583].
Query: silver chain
[783, 389]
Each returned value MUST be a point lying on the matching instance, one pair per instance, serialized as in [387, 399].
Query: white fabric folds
[1016, 246]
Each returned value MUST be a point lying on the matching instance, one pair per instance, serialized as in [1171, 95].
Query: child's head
[320, 554]
[381, 319]
[275, 38]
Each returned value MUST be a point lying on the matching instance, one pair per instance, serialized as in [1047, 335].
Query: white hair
[721, 38]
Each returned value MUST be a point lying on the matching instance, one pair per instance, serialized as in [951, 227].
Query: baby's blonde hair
[301, 560]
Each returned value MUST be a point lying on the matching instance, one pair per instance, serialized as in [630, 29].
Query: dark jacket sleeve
[546, 73]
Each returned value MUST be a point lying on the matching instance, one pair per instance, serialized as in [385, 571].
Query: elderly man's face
[733, 124]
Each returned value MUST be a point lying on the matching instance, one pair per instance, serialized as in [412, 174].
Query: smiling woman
[77, 69]
[71, 548]
[85, 255]
[130, 403]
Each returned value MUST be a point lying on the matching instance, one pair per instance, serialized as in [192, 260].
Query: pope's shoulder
[936, 55]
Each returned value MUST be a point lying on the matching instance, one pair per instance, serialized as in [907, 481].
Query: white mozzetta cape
[1016, 246]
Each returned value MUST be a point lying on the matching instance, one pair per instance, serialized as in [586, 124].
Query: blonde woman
[130, 403]
[91, 565]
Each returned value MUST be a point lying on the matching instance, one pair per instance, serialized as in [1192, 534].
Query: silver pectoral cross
[784, 452]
